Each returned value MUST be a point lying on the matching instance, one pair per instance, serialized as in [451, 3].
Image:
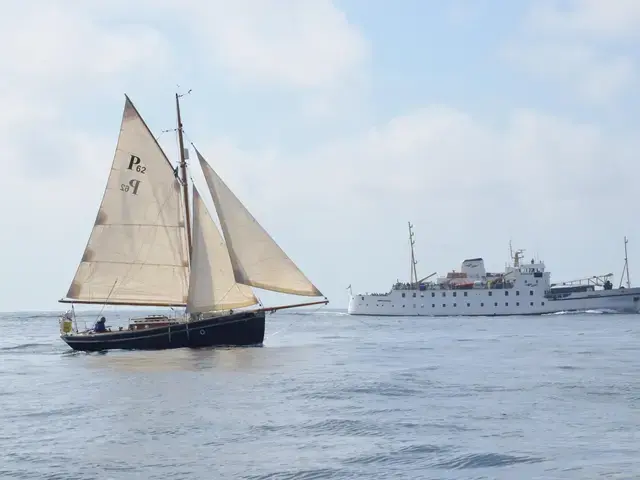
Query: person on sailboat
[100, 326]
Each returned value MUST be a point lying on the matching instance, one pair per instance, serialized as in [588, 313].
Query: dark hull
[237, 329]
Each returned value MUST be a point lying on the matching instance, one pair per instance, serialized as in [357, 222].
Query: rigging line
[162, 132]
[107, 299]
[185, 135]
[294, 321]
[231, 288]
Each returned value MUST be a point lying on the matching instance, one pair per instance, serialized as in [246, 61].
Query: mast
[183, 171]
[511, 257]
[625, 269]
[414, 273]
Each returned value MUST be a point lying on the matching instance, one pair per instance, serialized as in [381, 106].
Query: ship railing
[597, 280]
[447, 286]
[70, 324]
[149, 318]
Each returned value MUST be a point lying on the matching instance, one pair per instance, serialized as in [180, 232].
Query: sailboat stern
[244, 328]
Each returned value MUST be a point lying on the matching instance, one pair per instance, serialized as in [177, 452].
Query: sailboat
[146, 249]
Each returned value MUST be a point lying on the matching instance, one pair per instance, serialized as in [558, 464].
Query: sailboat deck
[152, 321]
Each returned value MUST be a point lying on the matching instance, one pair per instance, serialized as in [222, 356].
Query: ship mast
[414, 273]
[510, 251]
[625, 269]
[183, 172]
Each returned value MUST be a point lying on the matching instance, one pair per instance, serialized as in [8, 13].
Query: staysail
[255, 257]
[212, 285]
[137, 250]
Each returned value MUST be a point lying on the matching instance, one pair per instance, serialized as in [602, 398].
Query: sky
[335, 122]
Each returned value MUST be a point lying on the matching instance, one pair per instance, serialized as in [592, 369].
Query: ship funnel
[474, 268]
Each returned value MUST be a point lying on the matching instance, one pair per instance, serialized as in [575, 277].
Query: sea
[330, 396]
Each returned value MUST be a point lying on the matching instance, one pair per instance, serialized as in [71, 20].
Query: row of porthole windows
[444, 305]
[455, 294]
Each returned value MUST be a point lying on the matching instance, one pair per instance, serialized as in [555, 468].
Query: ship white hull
[483, 302]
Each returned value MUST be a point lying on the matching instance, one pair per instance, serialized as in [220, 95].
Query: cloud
[56, 47]
[571, 44]
[613, 19]
[54, 55]
[584, 71]
[300, 44]
[307, 48]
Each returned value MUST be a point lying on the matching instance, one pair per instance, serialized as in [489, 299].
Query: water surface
[331, 396]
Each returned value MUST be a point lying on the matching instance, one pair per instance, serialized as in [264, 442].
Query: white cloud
[595, 77]
[611, 19]
[301, 44]
[570, 43]
[53, 55]
[307, 47]
[50, 46]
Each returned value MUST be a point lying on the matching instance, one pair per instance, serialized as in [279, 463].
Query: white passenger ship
[522, 289]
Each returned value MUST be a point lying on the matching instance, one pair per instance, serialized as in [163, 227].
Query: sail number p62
[134, 165]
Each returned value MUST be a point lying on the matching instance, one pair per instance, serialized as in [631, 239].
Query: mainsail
[137, 250]
[211, 283]
[255, 257]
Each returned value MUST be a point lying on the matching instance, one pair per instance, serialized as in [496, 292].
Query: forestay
[137, 250]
